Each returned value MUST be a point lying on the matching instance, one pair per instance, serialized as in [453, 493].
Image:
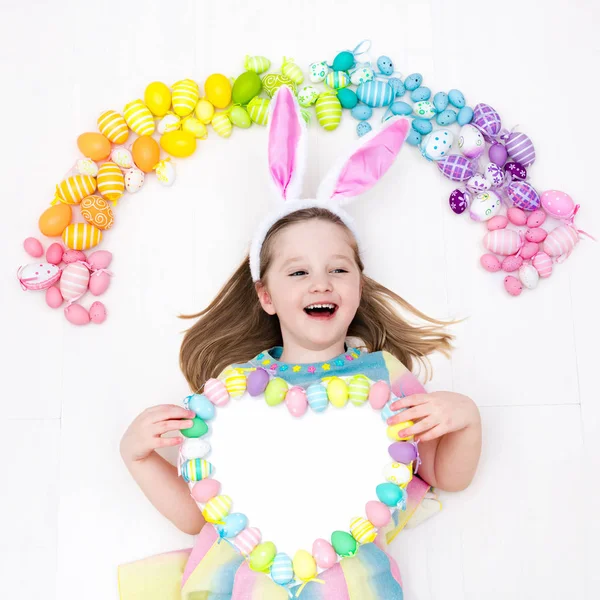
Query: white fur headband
[355, 174]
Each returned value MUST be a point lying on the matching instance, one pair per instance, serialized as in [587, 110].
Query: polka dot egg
[437, 144]
[134, 180]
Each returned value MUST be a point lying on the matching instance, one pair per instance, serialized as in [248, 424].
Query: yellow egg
[222, 125]
[113, 126]
[178, 143]
[185, 97]
[304, 565]
[362, 531]
[139, 118]
[157, 98]
[81, 236]
[96, 211]
[218, 90]
[111, 182]
[393, 431]
[74, 189]
[205, 111]
[337, 392]
[170, 122]
[235, 383]
[217, 509]
[195, 127]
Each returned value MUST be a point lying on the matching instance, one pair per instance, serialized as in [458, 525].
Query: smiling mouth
[321, 311]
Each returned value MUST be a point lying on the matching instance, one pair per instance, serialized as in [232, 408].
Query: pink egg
[557, 204]
[71, 256]
[33, 247]
[512, 285]
[511, 263]
[216, 392]
[97, 312]
[516, 216]
[99, 283]
[74, 281]
[296, 401]
[100, 259]
[378, 513]
[543, 264]
[537, 235]
[54, 254]
[246, 541]
[528, 250]
[536, 218]
[53, 297]
[379, 394]
[490, 263]
[76, 314]
[206, 489]
[323, 553]
[497, 222]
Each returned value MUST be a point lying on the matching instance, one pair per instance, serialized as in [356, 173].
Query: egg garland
[198, 472]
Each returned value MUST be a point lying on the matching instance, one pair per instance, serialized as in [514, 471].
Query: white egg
[529, 276]
[397, 473]
[485, 205]
[318, 71]
[437, 144]
[134, 180]
[122, 157]
[195, 448]
[362, 75]
[478, 183]
[308, 96]
[470, 141]
[165, 172]
[168, 123]
[86, 166]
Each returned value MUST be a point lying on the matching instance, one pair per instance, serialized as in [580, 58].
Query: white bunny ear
[287, 144]
[366, 164]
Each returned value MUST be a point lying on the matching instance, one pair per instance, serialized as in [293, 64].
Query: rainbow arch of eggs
[172, 119]
[262, 556]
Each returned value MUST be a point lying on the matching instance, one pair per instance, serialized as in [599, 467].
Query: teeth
[332, 306]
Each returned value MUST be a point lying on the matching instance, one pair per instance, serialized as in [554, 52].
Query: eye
[296, 272]
[341, 270]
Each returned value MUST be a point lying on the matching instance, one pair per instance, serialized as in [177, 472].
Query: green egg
[262, 556]
[275, 391]
[198, 429]
[343, 543]
[347, 98]
[246, 86]
[240, 117]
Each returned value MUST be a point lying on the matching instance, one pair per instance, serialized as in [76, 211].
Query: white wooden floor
[527, 527]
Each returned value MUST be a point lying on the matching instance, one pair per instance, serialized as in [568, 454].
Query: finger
[410, 414]
[408, 401]
[168, 441]
[420, 427]
[172, 425]
[432, 434]
[170, 411]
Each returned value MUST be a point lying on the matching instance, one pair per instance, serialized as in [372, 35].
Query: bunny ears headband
[354, 175]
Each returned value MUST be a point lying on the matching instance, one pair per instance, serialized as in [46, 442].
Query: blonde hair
[234, 328]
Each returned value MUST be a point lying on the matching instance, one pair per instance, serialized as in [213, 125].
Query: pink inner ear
[368, 164]
[284, 134]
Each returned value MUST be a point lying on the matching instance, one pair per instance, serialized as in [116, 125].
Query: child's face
[313, 263]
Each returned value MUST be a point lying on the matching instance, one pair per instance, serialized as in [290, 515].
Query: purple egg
[498, 154]
[456, 167]
[459, 201]
[487, 120]
[403, 452]
[523, 195]
[257, 382]
[516, 170]
[520, 149]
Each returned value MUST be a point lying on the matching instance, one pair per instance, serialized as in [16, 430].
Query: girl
[289, 308]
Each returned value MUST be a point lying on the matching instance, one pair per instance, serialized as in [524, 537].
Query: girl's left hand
[437, 414]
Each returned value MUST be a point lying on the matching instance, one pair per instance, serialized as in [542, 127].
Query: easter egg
[394, 432]
[347, 98]
[490, 263]
[446, 117]
[390, 494]
[316, 396]
[205, 111]
[94, 145]
[307, 96]
[478, 183]
[456, 167]
[81, 236]
[157, 97]
[420, 94]
[397, 472]
[557, 204]
[459, 201]
[529, 276]
[235, 383]
[38, 276]
[423, 126]
[100, 259]
[487, 120]
[401, 108]
[414, 138]
[239, 116]
[282, 570]
[74, 189]
[196, 469]
[261, 558]
[515, 170]
[165, 172]
[413, 81]
[54, 298]
[529, 250]
[247, 540]
[465, 115]
[86, 166]
[440, 101]
[536, 234]
[201, 405]
[485, 205]
[543, 264]
[185, 97]
[498, 153]
[96, 211]
[324, 554]
[273, 81]
[194, 448]
[71, 256]
[218, 90]
[403, 452]
[222, 125]
[178, 143]
[337, 392]
[516, 216]
[74, 281]
[425, 109]
[343, 543]
[379, 394]
[122, 157]
[275, 391]
[296, 401]
[216, 392]
[360, 75]
[343, 61]
[169, 122]
[99, 283]
[111, 181]
[375, 93]
[258, 109]
[493, 174]
[497, 222]
[97, 313]
[520, 148]
[362, 530]
[561, 241]
[387, 412]
[233, 525]
[54, 254]
[318, 71]
[536, 218]
[206, 489]
[146, 153]
[363, 128]
[198, 428]
[112, 125]
[290, 69]
[471, 142]
[217, 508]
[257, 381]
[512, 285]
[511, 263]
[358, 390]
[33, 247]
[305, 567]
[134, 180]
[503, 241]
[77, 315]
[456, 98]
[329, 111]
[246, 86]
[523, 195]
[378, 513]
[437, 144]
[258, 64]
[337, 80]
[139, 118]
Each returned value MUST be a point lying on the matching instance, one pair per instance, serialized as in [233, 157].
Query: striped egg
[81, 236]
[329, 111]
[74, 281]
[258, 64]
[362, 531]
[561, 241]
[273, 81]
[235, 383]
[358, 390]
[196, 469]
[246, 541]
[74, 189]
[337, 392]
[337, 80]
[398, 473]
[290, 69]
[113, 126]
[375, 93]
[258, 109]
[139, 118]
[282, 571]
[185, 96]
[503, 241]
[523, 195]
[216, 392]
[111, 182]
[387, 412]
[543, 264]
[520, 149]
[317, 397]
[394, 432]
[222, 125]
[217, 508]
[96, 211]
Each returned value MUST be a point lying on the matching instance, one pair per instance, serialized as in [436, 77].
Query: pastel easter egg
[378, 513]
[512, 285]
[247, 540]
[391, 494]
[529, 276]
[33, 247]
[96, 211]
[206, 489]
[157, 97]
[422, 126]
[520, 148]
[401, 108]
[81, 236]
[180, 144]
[337, 392]
[74, 189]
[296, 401]
[543, 264]
[185, 95]
[478, 183]
[523, 195]
[94, 145]
[198, 429]
[201, 405]
[494, 174]
[146, 153]
[397, 472]
[536, 234]
[165, 172]
[71, 256]
[490, 263]
[387, 412]
[113, 126]
[53, 297]
[446, 117]
[139, 118]
[235, 383]
[204, 111]
[456, 98]
[394, 432]
[258, 109]
[440, 101]
[290, 69]
[561, 241]
[529, 250]
[54, 254]
[414, 138]
[425, 109]
[375, 93]
[305, 567]
[216, 392]
[233, 525]
[77, 315]
[122, 157]
[337, 80]
[329, 111]
[257, 381]
[503, 241]
[465, 115]
[379, 394]
[324, 554]
[358, 390]
[316, 396]
[343, 543]
[169, 122]
[99, 283]
[485, 205]
[361, 75]
[196, 469]
[515, 170]
[516, 216]
[498, 154]
[217, 508]
[459, 201]
[456, 167]
[536, 218]
[282, 570]
[239, 116]
[261, 558]
[194, 448]
[437, 144]
[497, 222]
[273, 81]
[86, 166]
[487, 120]
[420, 94]
[362, 530]
[275, 391]
[134, 180]
[413, 81]
[363, 128]
[511, 263]
[471, 142]
[258, 64]
[347, 97]
[100, 259]
[111, 182]
[403, 452]
[361, 112]
[318, 71]
[558, 204]
[222, 125]
[97, 313]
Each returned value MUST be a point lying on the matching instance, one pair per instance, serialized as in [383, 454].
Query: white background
[71, 513]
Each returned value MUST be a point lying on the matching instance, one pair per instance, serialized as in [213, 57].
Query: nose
[320, 282]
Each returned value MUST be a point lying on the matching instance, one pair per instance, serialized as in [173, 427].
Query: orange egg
[94, 145]
[96, 211]
[55, 219]
[111, 182]
[146, 153]
[81, 236]
[74, 189]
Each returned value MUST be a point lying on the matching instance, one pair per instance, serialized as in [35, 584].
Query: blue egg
[362, 112]
[420, 94]
[465, 115]
[401, 108]
[201, 405]
[233, 524]
[363, 128]
[423, 126]
[440, 101]
[316, 396]
[456, 98]
[391, 494]
[385, 65]
[412, 82]
[413, 138]
[387, 412]
[446, 117]
[282, 570]
[397, 85]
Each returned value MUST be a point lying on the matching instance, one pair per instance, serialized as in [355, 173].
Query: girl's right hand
[143, 436]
